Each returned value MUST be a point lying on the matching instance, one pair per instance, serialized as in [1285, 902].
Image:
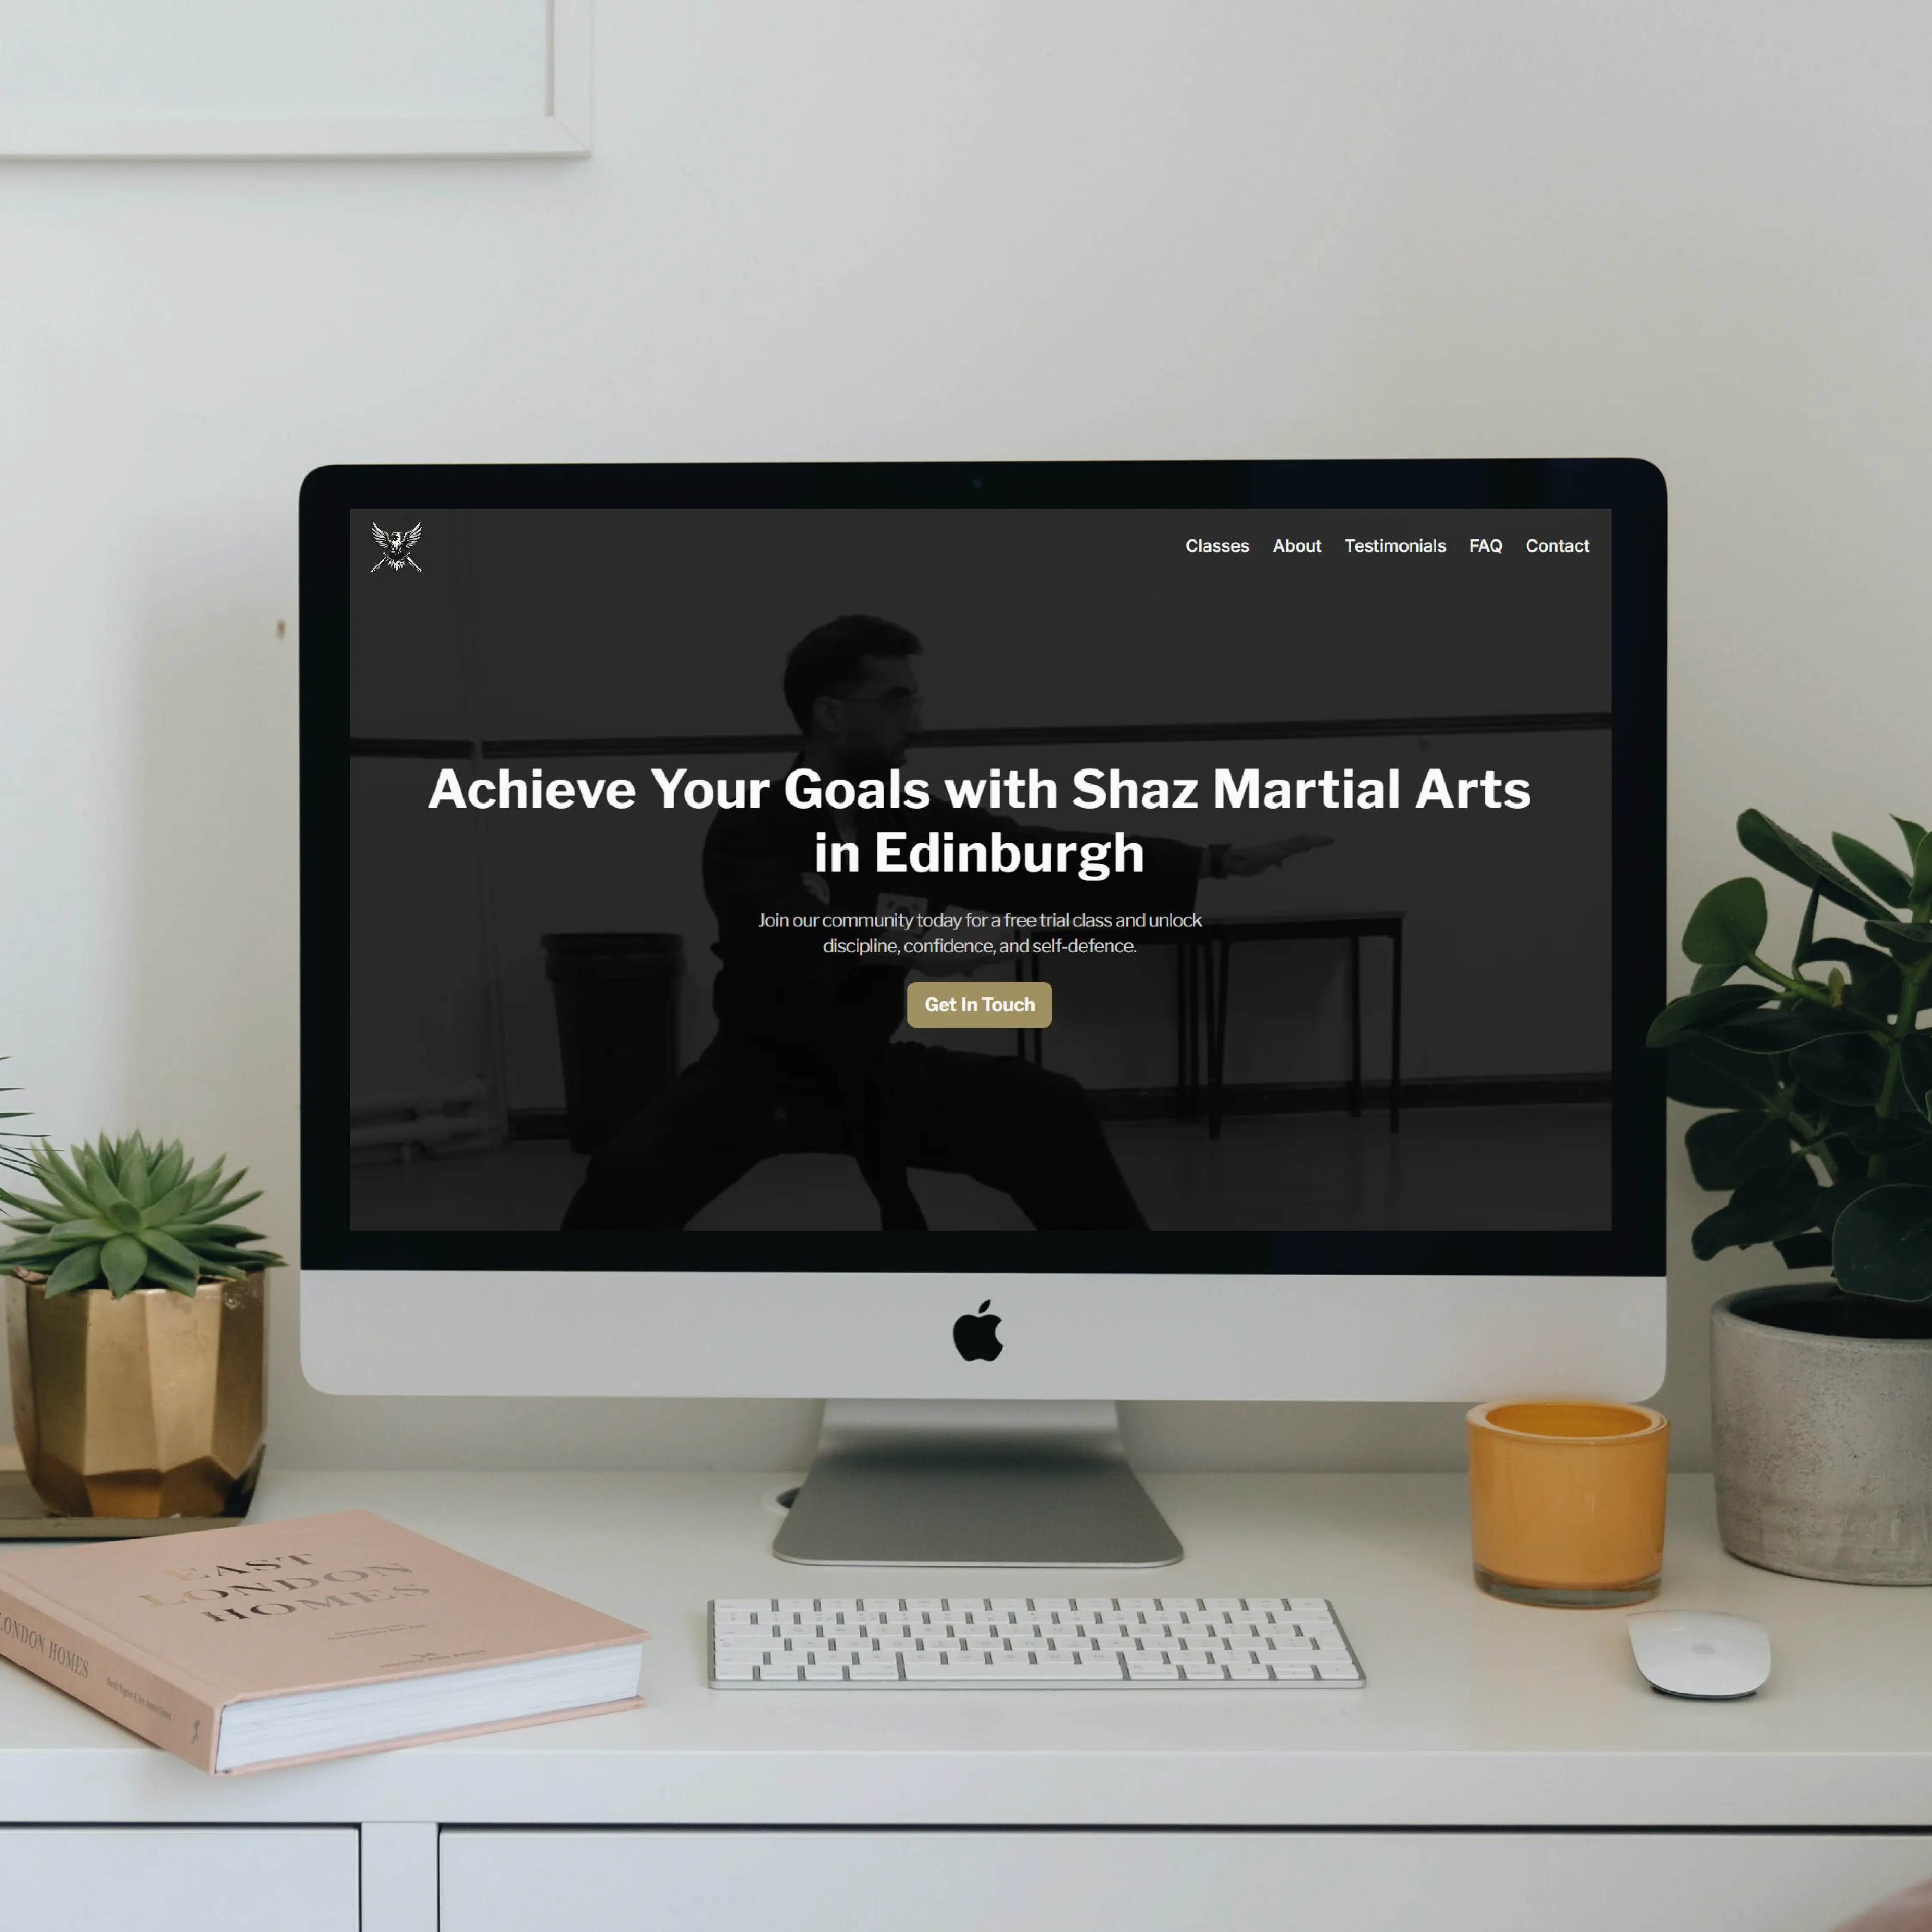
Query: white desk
[1478, 1714]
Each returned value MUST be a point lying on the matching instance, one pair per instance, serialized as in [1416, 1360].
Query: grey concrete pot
[1824, 1446]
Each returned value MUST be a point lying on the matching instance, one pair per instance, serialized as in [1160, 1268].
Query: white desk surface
[1477, 1712]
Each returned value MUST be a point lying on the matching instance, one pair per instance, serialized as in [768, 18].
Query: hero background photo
[556, 632]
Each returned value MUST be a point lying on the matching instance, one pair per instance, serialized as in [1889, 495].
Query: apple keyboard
[979, 1643]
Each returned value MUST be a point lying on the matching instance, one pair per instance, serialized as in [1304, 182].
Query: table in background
[1203, 958]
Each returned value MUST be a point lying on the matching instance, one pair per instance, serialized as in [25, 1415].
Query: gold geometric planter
[152, 1405]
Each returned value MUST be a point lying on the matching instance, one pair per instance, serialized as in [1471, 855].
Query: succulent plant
[131, 1214]
[1824, 1085]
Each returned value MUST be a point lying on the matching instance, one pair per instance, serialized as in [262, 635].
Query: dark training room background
[544, 637]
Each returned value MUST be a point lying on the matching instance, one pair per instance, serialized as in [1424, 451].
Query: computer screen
[1213, 878]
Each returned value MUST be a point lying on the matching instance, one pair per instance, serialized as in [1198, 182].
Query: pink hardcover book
[276, 1643]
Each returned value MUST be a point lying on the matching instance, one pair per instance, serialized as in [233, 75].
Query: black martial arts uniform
[804, 1061]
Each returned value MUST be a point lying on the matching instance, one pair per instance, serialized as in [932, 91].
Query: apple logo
[973, 1336]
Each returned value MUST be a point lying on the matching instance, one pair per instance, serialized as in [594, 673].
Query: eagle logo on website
[396, 546]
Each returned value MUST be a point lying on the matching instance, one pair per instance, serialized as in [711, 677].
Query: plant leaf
[1906, 942]
[1905, 1133]
[1775, 847]
[45, 1210]
[1701, 1072]
[1727, 924]
[1883, 1244]
[1914, 1067]
[1697, 1010]
[1775, 1202]
[62, 1181]
[1784, 1032]
[79, 1268]
[1848, 1070]
[1706, 977]
[1914, 835]
[201, 1215]
[164, 1210]
[33, 1253]
[1872, 870]
[1807, 928]
[92, 1229]
[1921, 871]
[195, 1234]
[1726, 1149]
[123, 1261]
[165, 1274]
[244, 1260]
[167, 1173]
[101, 1191]
[133, 1175]
[1805, 1250]
[170, 1250]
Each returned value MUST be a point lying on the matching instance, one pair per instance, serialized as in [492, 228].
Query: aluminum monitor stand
[1012, 1485]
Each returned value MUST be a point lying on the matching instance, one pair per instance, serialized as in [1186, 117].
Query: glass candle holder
[1566, 1501]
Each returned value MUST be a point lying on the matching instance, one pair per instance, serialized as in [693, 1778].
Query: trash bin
[617, 997]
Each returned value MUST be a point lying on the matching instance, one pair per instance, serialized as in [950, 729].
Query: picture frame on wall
[235, 79]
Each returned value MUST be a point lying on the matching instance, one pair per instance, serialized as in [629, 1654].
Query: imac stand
[1009, 1484]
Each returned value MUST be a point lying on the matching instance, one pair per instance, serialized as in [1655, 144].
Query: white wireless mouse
[1700, 1653]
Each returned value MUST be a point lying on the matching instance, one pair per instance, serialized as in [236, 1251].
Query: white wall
[1032, 228]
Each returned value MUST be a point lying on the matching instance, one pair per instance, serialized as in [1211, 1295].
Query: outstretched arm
[1244, 861]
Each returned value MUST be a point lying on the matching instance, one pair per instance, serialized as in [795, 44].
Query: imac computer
[977, 943]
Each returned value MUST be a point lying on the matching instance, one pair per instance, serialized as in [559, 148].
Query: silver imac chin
[970, 1419]
[1117, 1338]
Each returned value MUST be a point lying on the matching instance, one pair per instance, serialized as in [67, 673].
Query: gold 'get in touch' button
[978, 1003]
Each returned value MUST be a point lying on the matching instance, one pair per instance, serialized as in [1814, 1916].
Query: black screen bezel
[1632, 490]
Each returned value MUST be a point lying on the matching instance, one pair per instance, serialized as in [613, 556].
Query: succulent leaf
[167, 1170]
[168, 1249]
[61, 1181]
[133, 1174]
[93, 1227]
[76, 1271]
[162, 1274]
[123, 1261]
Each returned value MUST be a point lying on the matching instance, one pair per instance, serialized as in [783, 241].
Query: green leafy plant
[132, 1216]
[12, 1149]
[1824, 1085]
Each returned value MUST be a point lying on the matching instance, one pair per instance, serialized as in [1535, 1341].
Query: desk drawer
[186, 1878]
[858, 1881]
